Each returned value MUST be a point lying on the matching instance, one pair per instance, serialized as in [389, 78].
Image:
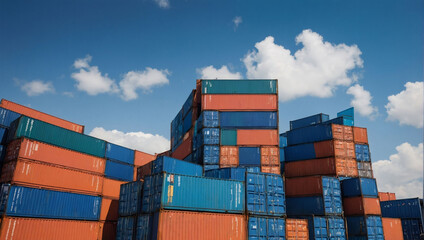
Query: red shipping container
[36, 174]
[144, 171]
[304, 186]
[47, 229]
[358, 206]
[109, 209]
[184, 149]
[41, 116]
[141, 158]
[297, 229]
[271, 169]
[38, 151]
[240, 102]
[270, 156]
[360, 135]
[392, 229]
[335, 148]
[111, 188]
[386, 196]
[228, 156]
[257, 137]
[107, 230]
[323, 166]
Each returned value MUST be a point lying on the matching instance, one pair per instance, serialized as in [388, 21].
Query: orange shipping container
[257, 137]
[303, 186]
[141, 158]
[228, 156]
[239, 102]
[184, 149]
[111, 188]
[342, 132]
[271, 169]
[14, 228]
[323, 166]
[392, 229]
[34, 150]
[185, 225]
[297, 229]
[336, 148]
[107, 230]
[354, 206]
[386, 196]
[270, 156]
[109, 209]
[34, 174]
[360, 135]
[41, 116]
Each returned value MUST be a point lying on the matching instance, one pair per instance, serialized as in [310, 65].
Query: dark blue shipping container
[282, 157]
[412, 229]
[315, 133]
[172, 165]
[356, 187]
[119, 153]
[207, 154]
[249, 156]
[3, 135]
[246, 120]
[362, 152]
[299, 152]
[207, 119]
[190, 158]
[19, 201]
[209, 136]
[341, 121]
[188, 104]
[283, 140]
[177, 129]
[2, 153]
[7, 117]
[119, 171]
[308, 121]
[321, 228]
[125, 229]
[210, 167]
[365, 227]
[402, 208]
[266, 228]
[227, 173]
[130, 198]
[187, 122]
[144, 226]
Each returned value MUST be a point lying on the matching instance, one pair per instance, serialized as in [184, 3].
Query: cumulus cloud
[237, 20]
[144, 80]
[316, 70]
[407, 106]
[210, 72]
[141, 141]
[37, 87]
[402, 173]
[362, 101]
[163, 3]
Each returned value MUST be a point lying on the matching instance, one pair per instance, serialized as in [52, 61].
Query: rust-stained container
[270, 156]
[141, 158]
[14, 228]
[358, 206]
[109, 209]
[304, 186]
[38, 151]
[36, 174]
[386, 196]
[240, 102]
[257, 137]
[111, 188]
[392, 228]
[324, 166]
[297, 229]
[185, 225]
[41, 116]
[342, 132]
[271, 169]
[144, 170]
[184, 149]
[228, 156]
[334, 148]
[360, 135]
[107, 230]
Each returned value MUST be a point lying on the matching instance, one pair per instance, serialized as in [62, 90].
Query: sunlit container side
[257, 137]
[207, 154]
[355, 187]
[130, 198]
[239, 102]
[20, 201]
[297, 229]
[36, 228]
[207, 119]
[188, 104]
[249, 156]
[271, 169]
[144, 227]
[144, 170]
[392, 228]
[360, 135]
[111, 188]
[308, 121]
[108, 230]
[326, 228]
[172, 165]
[283, 140]
[119, 171]
[228, 156]
[119, 153]
[320, 132]
[265, 86]
[362, 152]
[359, 206]
[365, 170]
[342, 121]
[386, 196]
[7, 117]
[324, 166]
[249, 120]
[34, 150]
[180, 192]
[47, 133]
[184, 149]
[125, 229]
[183, 225]
[109, 209]
[349, 113]
[412, 229]
[228, 137]
[266, 228]
[402, 208]
[32, 113]
[36, 174]
[210, 167]
[365, 227]
[142, 158]
[270, 156]
[3, 135]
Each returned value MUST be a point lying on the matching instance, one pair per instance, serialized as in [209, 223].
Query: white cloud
[210, 72]
[402, 173]
[37, 87]
[407, 106]
[163, 3]
[237, 20]
[315, 70]
[362, 101]
[144, 80]
[144, 142]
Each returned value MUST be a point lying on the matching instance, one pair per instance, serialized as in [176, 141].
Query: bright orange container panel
[297, 229]
[239, 102]
[48, 229]
[185, 225]
[360, 135]
[111, 188]
[355, 206]
[184, 149]
[342, 132]
[141, 158]
[36, 174]
[271, 169]
[270, 156]
[324, 166]
[336, 148]
[107, 230]
[228, 156]
[257, 137]
[386, 196]
[109, 209]
[34, 150]
[41, 116]
[303, 186]
[392, 229]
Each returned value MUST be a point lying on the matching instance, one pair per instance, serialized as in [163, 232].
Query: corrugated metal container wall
[111, 188]
[141, 158]
[354, 187]
[326, 228]
[119, 171]
[257, 137]
[307, 121]
[239, 86]
[207, 119]
[266, 228]
[125, 229]
[180, 225]
[119, 153]
[228, 137]
[187, 122]
[402, 208]
[172, 165]
[253, 120]
[312, 186]
[108, 230]
[50, 204]
[144, 227]
[235, 102]
[238, 174]
[355, 206]
[368, 227]
[208, 154]
[341, 121]
[297, 229]
[184, 149]
[109, 209]
[41, 116]
[228, 156]
[316, 205]
[392, 228]
[323, 166]
[3, 135]
[7, 117]
[33, 228]
[144, 170]
[249, 156]
[317, 133]
[365, 170]
[188, 104]
[130, 198]
[386, 196]
[411, 229]
[362, 152]
[44, 132]
[360, 135]
[38, 151]
[270, 156]
[271, 169]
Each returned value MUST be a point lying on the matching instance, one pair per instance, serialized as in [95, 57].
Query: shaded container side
[308, 121]
[238, 174]
[207, 119]
[283, 140]
[7, 117]
[184, 149]
[144, 170]
[249, 156]
[354, 187]
[412, 229]
[402, 208]
[228, 137]
[312, 186]
[297, 229]
[257, 137]
[3, 135]
[125, 229]
[210, 167]
[108, 230]
[207, 154]
[320, 132]
[392, 229]
[362, 152]
[386, 196]
[188, 122]
[239, 86]
[111, 188]
[356, 206]
[360, 135]
[119, 153]
[109, 209]
[188, 104]
[130, 198]
[143, 229]
[239, 102]
[326, 227]
[266, 227]
[249, 120]
[316, 205]
[324, 166]
[172, 165]
[365, 227]
[119, 171]
[142, 158]
[208, 136]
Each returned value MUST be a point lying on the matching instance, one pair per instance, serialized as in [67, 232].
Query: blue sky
[41, 41]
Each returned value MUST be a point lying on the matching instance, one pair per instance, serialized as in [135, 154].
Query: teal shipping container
[228, 137]
[266, 86]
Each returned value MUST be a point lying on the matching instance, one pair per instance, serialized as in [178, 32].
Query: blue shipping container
[321, 228]
[402, 208]
[283, 140]
[207, 154]
[188, 104]
[299, 152]
[7, 117]
[207, 119]
[210, 167]
[266, 228]
[355, 187]
[341, 121]
[315, 133]
[362, 152]
[187, 122]
[130, 198]
[3, 135]
[209, 136]
[308, 121]
[119, 153]
[125, 229]
[172, 165]
[253, 120]
[348, 113]
[180, 192]
[2, 153]
[144, 225]
[238, 174]
[365, 227]
[119, 171]
[40, 203]
[412, 229]
[249, 156]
